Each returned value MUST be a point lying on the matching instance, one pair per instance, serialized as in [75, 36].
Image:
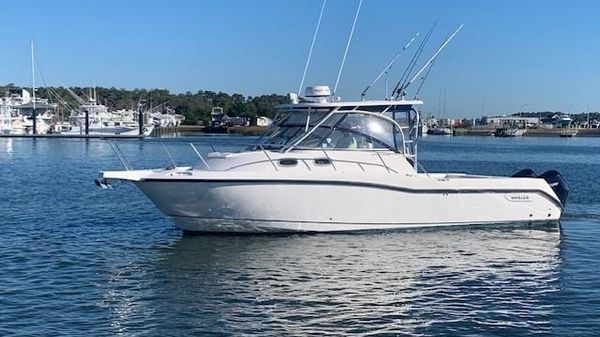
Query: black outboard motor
[558, 184]
[526, 173]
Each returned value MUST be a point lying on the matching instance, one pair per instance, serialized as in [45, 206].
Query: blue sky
[514, 55]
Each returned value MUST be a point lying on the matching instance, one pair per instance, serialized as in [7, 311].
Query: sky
[527, 55]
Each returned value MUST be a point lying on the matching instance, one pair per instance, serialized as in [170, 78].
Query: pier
[58, 135]
[538, 132]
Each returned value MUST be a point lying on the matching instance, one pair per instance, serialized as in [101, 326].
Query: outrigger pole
[388, 67]
[402, 90]
[339, 75]
[312, 45]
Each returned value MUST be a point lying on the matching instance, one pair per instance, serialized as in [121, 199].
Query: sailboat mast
[34, 117]
[444, 103]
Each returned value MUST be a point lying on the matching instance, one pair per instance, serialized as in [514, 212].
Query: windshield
[289, 125]
[342, 130]
[352, 131]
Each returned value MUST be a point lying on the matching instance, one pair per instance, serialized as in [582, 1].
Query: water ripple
[77, 260]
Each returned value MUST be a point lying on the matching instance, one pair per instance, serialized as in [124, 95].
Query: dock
[58, 135]
[539, 132]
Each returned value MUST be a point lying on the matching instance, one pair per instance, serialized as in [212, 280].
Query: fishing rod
[402, 90]
[414, 59]
[423, 79]
[388, 67]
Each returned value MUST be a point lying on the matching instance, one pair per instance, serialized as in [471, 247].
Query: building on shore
[514, 121]
[263, 121]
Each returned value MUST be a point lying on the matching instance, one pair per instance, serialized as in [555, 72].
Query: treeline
[196, 107]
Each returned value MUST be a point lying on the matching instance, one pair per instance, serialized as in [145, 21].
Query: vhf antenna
[387, 68]
[402, 90]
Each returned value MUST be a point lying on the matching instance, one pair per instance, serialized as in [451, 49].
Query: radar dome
[319, 92]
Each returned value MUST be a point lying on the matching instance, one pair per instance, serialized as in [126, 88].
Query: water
[78, 260]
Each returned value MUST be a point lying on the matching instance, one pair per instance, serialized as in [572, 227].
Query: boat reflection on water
[419, 281]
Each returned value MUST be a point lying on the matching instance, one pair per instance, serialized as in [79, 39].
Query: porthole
[322, 161]
[288, 162]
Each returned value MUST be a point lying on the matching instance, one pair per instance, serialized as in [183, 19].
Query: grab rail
[269, 158]
[173, 164]
[120, 155]
[200, 156]
[357, 162]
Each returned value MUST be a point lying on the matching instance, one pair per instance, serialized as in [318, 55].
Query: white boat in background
[509, 132]
[326, 165]
[443, 131]
[104, 123]
[6, 117]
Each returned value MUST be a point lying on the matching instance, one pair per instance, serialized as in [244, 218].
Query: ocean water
[77, 260]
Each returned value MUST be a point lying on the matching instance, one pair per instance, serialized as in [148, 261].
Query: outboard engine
[526, 173]
[103, 184]
[558, 184]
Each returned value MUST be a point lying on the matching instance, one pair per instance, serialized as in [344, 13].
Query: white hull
[346, 174]
[269, 206]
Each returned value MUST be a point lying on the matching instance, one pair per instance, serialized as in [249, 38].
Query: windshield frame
[307, 129]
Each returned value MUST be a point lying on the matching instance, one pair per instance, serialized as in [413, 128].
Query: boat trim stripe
[557, 202]
[425, 224]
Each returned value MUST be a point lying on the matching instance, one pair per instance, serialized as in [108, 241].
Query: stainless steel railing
[120, 154]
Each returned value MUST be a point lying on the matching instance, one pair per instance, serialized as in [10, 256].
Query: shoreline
[564, 133]
[259, 130]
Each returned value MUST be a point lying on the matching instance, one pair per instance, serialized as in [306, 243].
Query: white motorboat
[444, 131]
[326, 165]
[101, 122]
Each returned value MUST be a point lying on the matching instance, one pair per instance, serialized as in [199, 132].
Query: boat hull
[315, 206]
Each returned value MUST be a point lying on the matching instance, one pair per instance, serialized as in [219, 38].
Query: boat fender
[558, 184]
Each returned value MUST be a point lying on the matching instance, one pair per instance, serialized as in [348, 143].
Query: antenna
[337, 81]
[312, 45]
[403, 88]
[388, 67]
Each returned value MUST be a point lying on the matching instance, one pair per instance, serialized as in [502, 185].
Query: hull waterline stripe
[424, 224]
[359, 184]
